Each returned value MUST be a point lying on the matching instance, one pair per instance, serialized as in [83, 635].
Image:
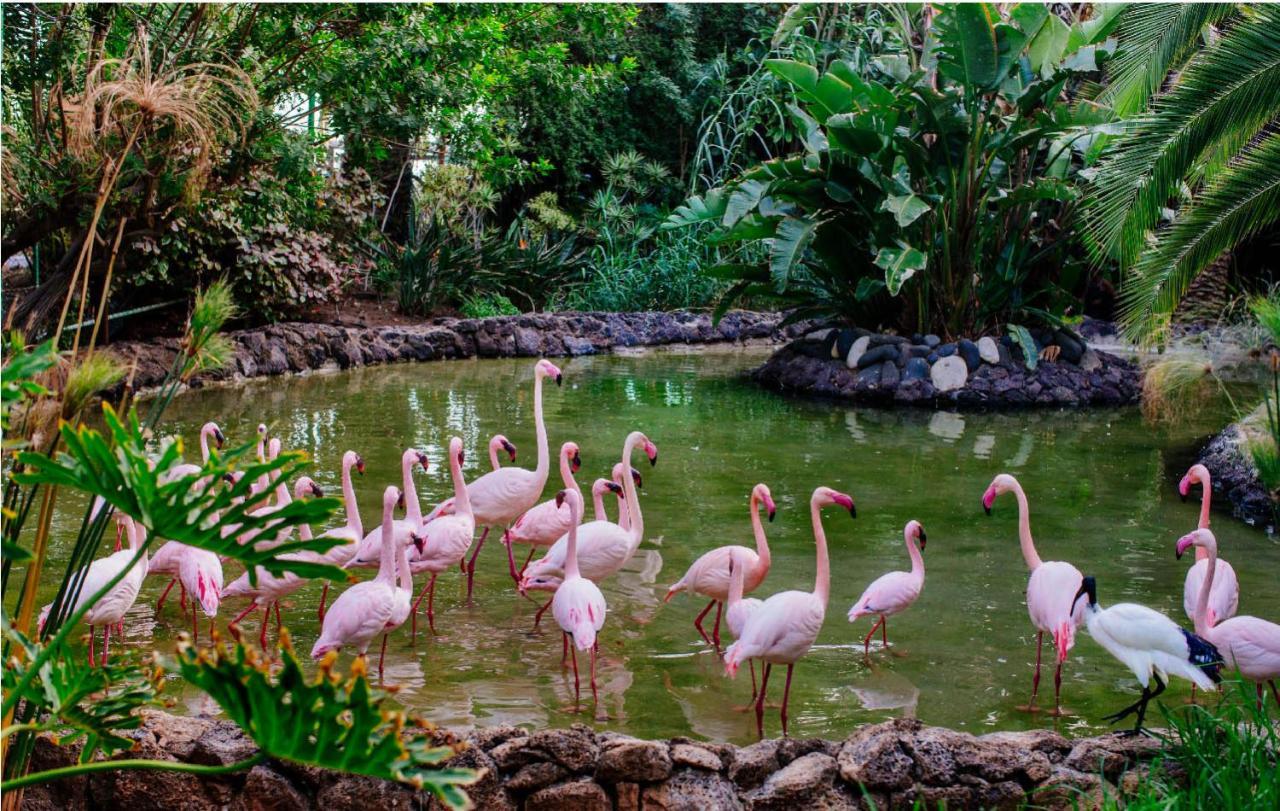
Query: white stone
[856, 351]
[1090, 362]
[988, 350]
[949, 373]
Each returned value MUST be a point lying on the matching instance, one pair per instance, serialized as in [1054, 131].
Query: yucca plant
[1204, 153]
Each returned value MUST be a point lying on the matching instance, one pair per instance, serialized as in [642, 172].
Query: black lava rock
[884, 352]
[916, 369]
[917, 351]
[969, 351]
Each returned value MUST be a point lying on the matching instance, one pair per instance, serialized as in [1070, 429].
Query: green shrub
[487, 306]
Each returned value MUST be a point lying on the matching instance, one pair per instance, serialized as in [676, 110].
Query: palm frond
[1237, 204]
[1229, 91]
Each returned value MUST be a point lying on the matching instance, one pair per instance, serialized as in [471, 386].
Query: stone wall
[894, 764]
[1235, 479]
[297, 347]
[863, 367]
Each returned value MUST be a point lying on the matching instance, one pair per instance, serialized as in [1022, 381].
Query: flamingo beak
[769, 505]
[637, 478]
[418, 543]
[510, 449]
[560, 499]
[846, 502]
[1184, 488]
[988, 498]
[229, 479]
[615, 488]
[1184, 543]
[576, 462]
[462, 457]
[651, 450]
[924, 539]
[360, 465]
[422, 460]
[219, 438]
[400, 501]
[316, 491]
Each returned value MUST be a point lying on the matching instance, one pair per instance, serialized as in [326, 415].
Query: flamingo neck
[494, 464]
[387, 560]
[1029, 553]
[404, 575]
[762, 542]
[544, 460]
[597, 504]
[461, 499]
[735, 586]
[204, 445]
[632, 503]
[917, 559]
[282, 492]
[1205, 497]
[822, 582]
[412, 510]
[1201, 617]
[349, 501]
[566, 474]
[571, 553]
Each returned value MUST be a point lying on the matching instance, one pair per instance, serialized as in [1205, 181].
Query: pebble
[988, 350]
[877, 355]
[856, 351]
[916, 369]
[969, 351]
[949, 373]
[932, 341]
[946, 350]
[889, 375]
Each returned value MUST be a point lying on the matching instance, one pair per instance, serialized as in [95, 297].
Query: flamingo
[623, 520]
[352, 532]
[497, 443]
[784, 627]
[893, 592]
[363, 611]
[263, 539]
[578, 605]
[263, 482]
[737, 610]
[1248, 644]
[709, 574]
[369, 551]
[1224, 597]
[166, 558]
[544, 523]
[1050, 591]
[501, 496]
[598, 488]
[109, 611]
[272, 588]
[445, 540]
[1151, 645]
[603, 546]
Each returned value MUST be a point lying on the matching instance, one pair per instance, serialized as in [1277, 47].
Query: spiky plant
[1174, 387]
[1209, 138]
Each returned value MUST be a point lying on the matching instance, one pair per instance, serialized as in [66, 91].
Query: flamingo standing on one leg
[1050, 591]
[1248, 644]
[738, 610]
[1151, 644]
[362, 612]
[782, 630]
[578, 605]
[445, 540]
[369, 551]
[893, 592]
[109, 611]
[543, 524]
[709, 574]
[352, 532]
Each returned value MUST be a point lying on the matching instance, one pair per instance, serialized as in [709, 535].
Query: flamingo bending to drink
[1051, 591]
[737, 609]
[893, 592]
[784, 627]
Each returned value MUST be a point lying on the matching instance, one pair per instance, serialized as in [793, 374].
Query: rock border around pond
[302, 347]
[894, 764]
[1235, 478]
[879, 369]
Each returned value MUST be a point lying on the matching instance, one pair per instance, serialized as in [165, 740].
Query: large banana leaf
[698, 209]
[787, 250]
[974, 47]
[328, 721]
[197, 509]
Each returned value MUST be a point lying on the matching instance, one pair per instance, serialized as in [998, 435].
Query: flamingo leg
[752, 664]
[92, 632]
[764, 685]
[168, 588]
[884, 631]
[266, 617]
[573, 653]
[1035, 680]
[527, 560]
[1274, 692]
[106, 643]
[697, 622]
[511, 556]
[182, 595]
[324, 595]
[715, 632]
[564, 648]
[382, 655]
[235, 622]
[537, 618]
[1258, 687]
[431, 603]
[277, 605]
[195, 623]
[471, 564]
[418, 602]
[595, 650]
[119, 535]
[1057, 689]
[866, 640]
[786, 696]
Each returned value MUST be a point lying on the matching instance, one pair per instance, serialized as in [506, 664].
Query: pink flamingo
[603, 546]
[1247, 644]
[272, 588]
[891, 593]
[1224, 598]
[446, 539]
[263, 483]
[501, 496]
[782, 630]
[264, 539]
[623, 520]
[598, 488]
[578, 605]
[497, 443]
[369, 551]
[165, 560]
[709, 574]
[545, 523]
[1051, 591]
[738, 610]
[109, 611]
[352, 532]
[368, 608]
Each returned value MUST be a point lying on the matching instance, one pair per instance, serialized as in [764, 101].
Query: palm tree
[1197, 90]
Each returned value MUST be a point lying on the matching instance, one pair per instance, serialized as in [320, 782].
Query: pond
[1100, 483]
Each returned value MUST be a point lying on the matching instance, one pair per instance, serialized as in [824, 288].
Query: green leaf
[1022, 337]
[899, 264]
[698, 209]
[745, 197]
[739, 272]
[906, 208]
[789, 242]
[868, 287]
[1047, 47]
[968, 51]
[797, 74]
[14, 554]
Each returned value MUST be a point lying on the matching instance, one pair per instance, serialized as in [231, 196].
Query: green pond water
[1100, 483]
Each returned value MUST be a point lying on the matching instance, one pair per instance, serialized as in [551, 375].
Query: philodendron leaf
[900, 264]
[906, 208]
[1022, 337]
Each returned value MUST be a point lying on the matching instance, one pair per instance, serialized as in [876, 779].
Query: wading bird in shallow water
[543, 524]
[893, 592]
[350, 533]
[369, 552]
[1248, 644]
[738, 610]
[709, 574]
[363, 611]
[499, 443]
[1050, 592]
[782, 630]
[1151, 645]
[578, 605]
[1224, 597]
[445, 540]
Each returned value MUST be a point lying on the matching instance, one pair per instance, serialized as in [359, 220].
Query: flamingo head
[1089, 586]
[399, 497]
[212, 429]
[541, 582]
[546, 368]
[560, 499]
[1000, 484]
[613, 487]
[455, 449]
[422, 460]
[306, 487]
[635, 475]
[1200, 537]
[761, 491]
[231, 478]
[419, 541]
[825, 496]
[359, 464]
[507, 446]
[570, 451]
[1196, 473]
[916, 530]
[274, 447]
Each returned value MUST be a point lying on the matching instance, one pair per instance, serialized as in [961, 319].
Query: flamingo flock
[578, 555]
